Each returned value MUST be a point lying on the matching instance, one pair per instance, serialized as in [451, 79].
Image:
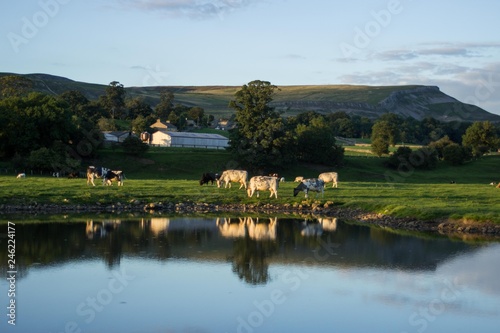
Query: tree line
[55, 132]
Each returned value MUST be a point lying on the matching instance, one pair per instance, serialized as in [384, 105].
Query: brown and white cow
[263, 183]
[310, 184]
[328, 177]
[233, 176]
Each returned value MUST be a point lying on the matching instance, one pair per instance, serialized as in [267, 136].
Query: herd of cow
[255, 184]
[269, 183]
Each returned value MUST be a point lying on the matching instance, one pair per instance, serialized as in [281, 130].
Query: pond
[242, 274]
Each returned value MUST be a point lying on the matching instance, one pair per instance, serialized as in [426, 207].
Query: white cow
[263, 183]
[329, 177]
[21, 175]
[310, 184]
[235, 176]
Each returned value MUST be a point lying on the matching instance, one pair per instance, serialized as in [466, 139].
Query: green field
[172, 175]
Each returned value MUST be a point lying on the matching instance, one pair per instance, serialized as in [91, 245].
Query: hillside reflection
[249, 244]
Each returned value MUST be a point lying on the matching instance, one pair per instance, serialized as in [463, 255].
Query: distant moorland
[369, 101]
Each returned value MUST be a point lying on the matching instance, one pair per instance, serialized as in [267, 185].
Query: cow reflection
[95, 230]
[262, 231]
[235, 228]
[253, 227]
[254, 242]
[157, 225]
[315, 229]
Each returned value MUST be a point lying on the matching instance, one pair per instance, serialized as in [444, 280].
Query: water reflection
[250, 243]
[248, 274]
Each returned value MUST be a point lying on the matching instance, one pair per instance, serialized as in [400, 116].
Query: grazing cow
[263, 183]
[329, 177]
[73, 175]
[235, 176]
[21, 175]
[96, 172]
[310, 184]
[298, 179]
[209, 177]
[111, 176]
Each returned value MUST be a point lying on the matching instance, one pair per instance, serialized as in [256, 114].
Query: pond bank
[442, 226]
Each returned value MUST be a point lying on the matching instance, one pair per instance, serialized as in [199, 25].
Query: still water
[248, 274]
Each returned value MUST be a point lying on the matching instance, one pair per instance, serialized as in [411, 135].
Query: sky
[454, 45]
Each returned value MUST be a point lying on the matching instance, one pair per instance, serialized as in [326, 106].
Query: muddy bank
[442, 226]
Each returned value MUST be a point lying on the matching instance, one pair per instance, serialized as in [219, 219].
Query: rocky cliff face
[418, 103]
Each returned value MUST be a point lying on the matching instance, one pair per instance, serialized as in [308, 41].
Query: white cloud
[189, 8]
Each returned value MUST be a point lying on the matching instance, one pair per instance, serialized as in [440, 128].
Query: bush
[456, 154]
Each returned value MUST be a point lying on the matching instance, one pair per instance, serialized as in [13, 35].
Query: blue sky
[452, 44]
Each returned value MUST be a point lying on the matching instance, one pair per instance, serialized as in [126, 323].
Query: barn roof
[197, 135]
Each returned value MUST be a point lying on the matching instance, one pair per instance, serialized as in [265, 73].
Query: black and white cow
[106, 174]
[113, 175]
[209, 177]
[310, 184]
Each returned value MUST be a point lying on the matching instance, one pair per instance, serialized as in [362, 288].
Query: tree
[316, 143]
[114, 100]
[165, 106]
[380, 146]
[480, 137]
[440, 145]
[456, 154]
[138, 107]
[260, 139]
[14, 86]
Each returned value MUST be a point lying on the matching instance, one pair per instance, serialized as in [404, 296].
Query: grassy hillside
[370, 101]
[172, 175]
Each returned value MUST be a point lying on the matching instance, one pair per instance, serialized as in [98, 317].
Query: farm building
[165, 138]
[164, 126]
[115, 136]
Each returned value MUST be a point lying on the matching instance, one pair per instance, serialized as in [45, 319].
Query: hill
[369, 101]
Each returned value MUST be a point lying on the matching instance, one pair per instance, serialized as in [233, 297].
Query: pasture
[424, 201]
[172, 175]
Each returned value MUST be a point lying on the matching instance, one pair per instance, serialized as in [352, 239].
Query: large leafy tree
[114, 100]
[480, 137]
[260, 140]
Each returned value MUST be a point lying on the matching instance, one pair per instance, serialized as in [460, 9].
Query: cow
[235, 176]
[298, 179]
[21, 175]
[329, 177]
[95, 172]
[209, 177]
[263, 183]
[310, 184]
[113, 175]
[104, 173]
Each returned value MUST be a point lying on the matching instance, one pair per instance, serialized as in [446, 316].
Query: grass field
[171, 175]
